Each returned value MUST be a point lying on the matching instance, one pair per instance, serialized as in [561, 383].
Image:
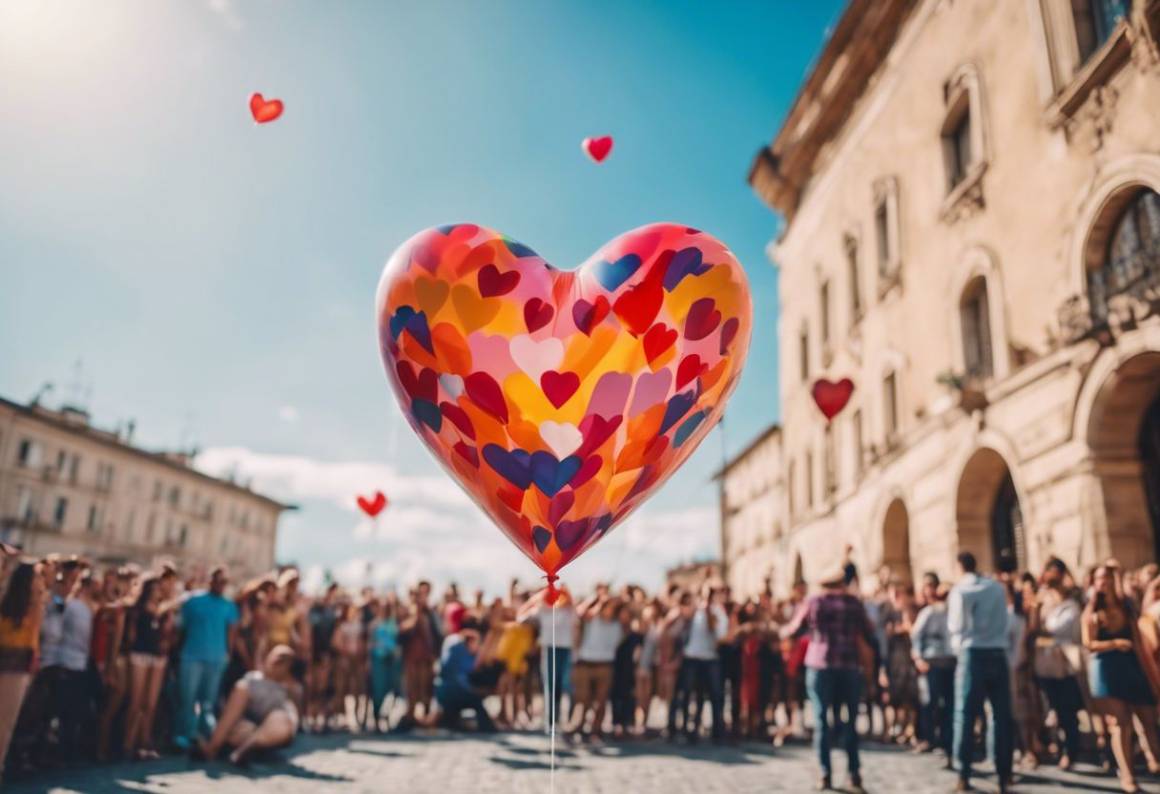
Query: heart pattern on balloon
[560, 400]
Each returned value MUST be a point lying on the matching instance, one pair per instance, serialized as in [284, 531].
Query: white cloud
[431, 530]
[298, 479]
[227, 12]
[288, 414]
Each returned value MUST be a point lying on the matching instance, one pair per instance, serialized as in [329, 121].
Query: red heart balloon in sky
[831, 397]
[265, 110]
[373, 506]
[560, 400]
[597, 148]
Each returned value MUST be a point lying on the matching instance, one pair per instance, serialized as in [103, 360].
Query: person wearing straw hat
[835, 622]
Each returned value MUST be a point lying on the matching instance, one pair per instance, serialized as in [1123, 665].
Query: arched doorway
[1124, 437]
[988, 513]
[896, 541]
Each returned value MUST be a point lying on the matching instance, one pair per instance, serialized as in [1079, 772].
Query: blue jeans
[981, 674]
[697, 679]
[198, 682]
[556, 661]
[940, 682]
[831, 689]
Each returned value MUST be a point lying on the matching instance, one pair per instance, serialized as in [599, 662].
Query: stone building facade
[971, 196]
[752, 512]
[71, 488]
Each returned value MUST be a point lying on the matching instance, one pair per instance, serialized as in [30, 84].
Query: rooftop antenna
[187, 439]
[44, 389]
[76, 393]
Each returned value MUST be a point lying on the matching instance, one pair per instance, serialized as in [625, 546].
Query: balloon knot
[551, 595]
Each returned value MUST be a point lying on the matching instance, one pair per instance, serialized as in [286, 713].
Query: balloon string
[552, 708]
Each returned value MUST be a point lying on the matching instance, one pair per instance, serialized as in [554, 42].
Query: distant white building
[71, 488]
[752, 519]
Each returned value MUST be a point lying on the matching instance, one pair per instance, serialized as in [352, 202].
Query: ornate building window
[964, 144]
[957, 144]
[1095, 20]
[1131, 260]
[1081, 45]
[825, 315]
[975, 321]
[804, 352]
[887, 233]
[856, 430]
[809, 479]
[850, 246]
[890, 405]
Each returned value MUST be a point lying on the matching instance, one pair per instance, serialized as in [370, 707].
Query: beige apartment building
[971, 197]
[71, 488]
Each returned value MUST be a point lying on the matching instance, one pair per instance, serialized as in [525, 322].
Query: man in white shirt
[977, 622]
[700, 674]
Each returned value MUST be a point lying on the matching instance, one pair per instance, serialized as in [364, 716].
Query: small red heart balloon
[265, 110]
[597, 148]
[373, 506]
[832, 397]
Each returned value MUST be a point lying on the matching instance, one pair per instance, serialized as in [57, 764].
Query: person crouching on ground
[260, 713]
[454, 692]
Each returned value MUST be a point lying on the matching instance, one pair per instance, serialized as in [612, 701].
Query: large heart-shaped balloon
[561, 400]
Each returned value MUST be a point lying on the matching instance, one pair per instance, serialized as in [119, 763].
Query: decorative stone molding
[1143, 32]
[1093, 122]
[966, 199]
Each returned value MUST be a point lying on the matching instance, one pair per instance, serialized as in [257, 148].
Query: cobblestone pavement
[518, 763]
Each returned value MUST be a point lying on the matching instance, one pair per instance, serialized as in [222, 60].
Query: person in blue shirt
[977, 622]
[208, 621]
[453, 689]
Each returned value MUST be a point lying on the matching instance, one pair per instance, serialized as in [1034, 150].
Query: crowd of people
[127, 664]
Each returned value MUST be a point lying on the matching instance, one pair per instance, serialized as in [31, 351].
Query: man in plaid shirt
[837, 626]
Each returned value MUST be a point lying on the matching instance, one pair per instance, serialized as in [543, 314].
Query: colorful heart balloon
[265, 110]
[597, 148]
[832, 397]
[561, 400]
[373, 506]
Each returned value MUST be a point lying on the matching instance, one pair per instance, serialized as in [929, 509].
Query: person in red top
[835, 621]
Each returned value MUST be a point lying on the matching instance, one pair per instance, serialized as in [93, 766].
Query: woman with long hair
[147, 623]
[20, 613]
[1119, 675]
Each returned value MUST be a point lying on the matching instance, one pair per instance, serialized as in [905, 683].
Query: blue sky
[217, 277]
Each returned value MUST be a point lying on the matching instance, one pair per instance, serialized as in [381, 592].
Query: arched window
[1132, 256]
[975, 321]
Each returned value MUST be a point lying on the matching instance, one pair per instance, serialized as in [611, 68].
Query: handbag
[1050, 661]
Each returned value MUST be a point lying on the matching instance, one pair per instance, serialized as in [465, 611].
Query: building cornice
[858, 45]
